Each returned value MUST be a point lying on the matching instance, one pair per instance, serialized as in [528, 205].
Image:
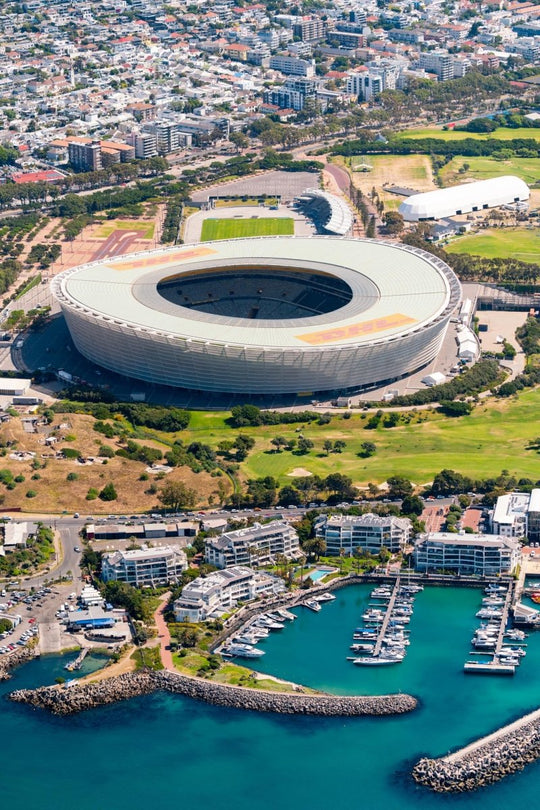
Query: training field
[502, 133]
[411, 171]
[482, 168]
[213, 229]
[519, 243]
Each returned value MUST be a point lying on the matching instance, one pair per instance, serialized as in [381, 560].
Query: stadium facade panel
[391, 322]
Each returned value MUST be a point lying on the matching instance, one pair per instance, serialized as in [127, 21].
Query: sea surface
[169, 751]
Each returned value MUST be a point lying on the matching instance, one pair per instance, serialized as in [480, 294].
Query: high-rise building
[85, 157]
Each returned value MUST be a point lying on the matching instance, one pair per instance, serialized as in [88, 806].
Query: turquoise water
[315, 576]
[168, 749]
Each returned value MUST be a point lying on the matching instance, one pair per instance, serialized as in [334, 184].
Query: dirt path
[126, 664]
[163, 633]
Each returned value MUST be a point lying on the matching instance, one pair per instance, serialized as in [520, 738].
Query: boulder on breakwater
[485, 763]
[80, 697]
[20, 656]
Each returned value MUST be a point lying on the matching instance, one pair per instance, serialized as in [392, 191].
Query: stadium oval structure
[464, 198]
[268, 315]
[332, 213]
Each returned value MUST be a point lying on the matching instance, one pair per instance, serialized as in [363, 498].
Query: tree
[327, 446]
[243, 445]
[239, 140]
[339, 446]
[412, 505]
[278, 442]
[367, 449]
[304, 445]
[315, 548]
[399, 486]
[289, 495]
[108, 493]
[394, 222]
[176, 496]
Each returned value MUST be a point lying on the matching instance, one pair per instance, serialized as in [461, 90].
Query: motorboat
[324, 597]
[312, 605]
[362, 647]
[513, 651]
[378, 661]
[286, 614]
[243, 651]
[516, 635]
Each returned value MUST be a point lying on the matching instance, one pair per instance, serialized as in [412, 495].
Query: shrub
[92, 494]
[31, 493]
[19, 479]
[72, 476]
[108, 493]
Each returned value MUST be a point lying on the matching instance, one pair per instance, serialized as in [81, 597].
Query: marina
[384, 640]
[494, 639]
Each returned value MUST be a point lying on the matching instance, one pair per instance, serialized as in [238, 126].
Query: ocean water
[172, 750]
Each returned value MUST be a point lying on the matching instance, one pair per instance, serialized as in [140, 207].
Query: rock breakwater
[80, 697]
[485, 762]
[14, 659]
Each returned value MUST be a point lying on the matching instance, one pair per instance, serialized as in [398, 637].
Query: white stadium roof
[385, 279]
[340, 218]
[465, 198]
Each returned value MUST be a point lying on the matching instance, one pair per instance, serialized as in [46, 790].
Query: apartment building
[256, 545]
[309, 29]
[211, 596]
[478, 554]
[145, 567]
[517, 514]
[345, 533]
[85, 157]
[292, 66]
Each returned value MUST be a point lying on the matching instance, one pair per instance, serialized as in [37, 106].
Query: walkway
[163, 633]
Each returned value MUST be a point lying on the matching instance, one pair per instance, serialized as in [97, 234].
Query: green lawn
[235, 228]
[123, 225]
[493, 438]
[481, 168]
[503, 133]
[520, 243]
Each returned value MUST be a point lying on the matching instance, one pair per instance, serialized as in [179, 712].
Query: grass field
[481, 168]
[235, 228]
[107, 228]
[493, 438]
[413, 171]
[519, 243]
[502, 133]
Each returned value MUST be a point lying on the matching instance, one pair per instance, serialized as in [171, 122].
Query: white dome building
[464, 199]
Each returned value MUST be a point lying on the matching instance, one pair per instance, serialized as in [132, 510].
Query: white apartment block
[510, 515]
[344, 533]
[145, 567]
[211, 596]
[256, 545]
[292, 66]
[479, 554]
[518, 515]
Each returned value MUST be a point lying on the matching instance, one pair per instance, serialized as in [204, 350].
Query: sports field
[481, 168]
[213, 229]
[143, 225]
[519, 243]
[503, 133]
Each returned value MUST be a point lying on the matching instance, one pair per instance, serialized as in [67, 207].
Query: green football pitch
[235, 228]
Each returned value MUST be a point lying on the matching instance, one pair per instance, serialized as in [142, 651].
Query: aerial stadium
[268, 315]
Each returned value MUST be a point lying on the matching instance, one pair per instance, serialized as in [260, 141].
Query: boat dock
[504, 621]
[384, 626]
[493, 639]
[77, 664]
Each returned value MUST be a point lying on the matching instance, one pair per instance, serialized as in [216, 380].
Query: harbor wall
[80, 697]
[484, 762]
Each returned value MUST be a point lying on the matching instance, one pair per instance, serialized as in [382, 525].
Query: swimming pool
[319, 573]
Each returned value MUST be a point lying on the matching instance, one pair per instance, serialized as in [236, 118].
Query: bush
[92, 494]
[72, 476]
[108, 493]
[70, 452]
[31, 493]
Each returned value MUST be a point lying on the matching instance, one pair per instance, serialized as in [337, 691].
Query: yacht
[513, 651]
[285, 614]
[379, 661]
[243, 651]
[324, 597]
[312, 605]
[362, 647]
[268, 623]
[516, 635]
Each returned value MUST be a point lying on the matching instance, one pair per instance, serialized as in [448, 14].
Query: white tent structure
[464, 199]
